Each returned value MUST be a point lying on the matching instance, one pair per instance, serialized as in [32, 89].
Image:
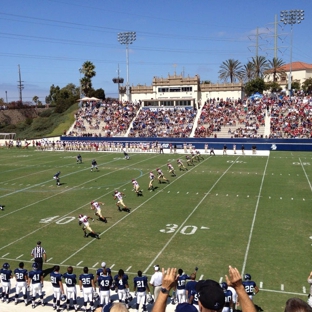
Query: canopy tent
[256, 96]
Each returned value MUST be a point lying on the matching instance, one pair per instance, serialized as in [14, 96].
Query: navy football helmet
[63, 297]
[247, 277]
[150, 299]
[6, 266]
[224, 285]
[35, 266]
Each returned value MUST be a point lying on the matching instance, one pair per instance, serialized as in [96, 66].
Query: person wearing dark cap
[39, 255]
[210, 296]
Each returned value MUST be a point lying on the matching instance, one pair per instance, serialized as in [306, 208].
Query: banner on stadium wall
[169, 108]
[199, 143]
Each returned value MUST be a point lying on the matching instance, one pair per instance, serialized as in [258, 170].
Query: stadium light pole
[127, 38]
[291, 17]
[80, 87]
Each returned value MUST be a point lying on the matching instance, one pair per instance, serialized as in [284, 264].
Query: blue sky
[51, 39]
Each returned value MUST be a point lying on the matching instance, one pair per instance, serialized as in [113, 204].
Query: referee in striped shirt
[39, 254]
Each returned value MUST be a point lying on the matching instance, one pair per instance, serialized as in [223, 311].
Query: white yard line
[180, 227]
[126, 216]
[305, 174]
[254, 218]
[26, 235]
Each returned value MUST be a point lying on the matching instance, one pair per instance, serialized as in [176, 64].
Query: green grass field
[250, 212]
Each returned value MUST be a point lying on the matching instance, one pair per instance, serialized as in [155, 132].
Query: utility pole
[20, 86]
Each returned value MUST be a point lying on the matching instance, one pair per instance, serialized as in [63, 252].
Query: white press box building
[177, 90]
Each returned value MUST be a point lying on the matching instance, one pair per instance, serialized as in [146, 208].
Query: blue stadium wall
[199, 143]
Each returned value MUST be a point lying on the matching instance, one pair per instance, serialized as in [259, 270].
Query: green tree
[307, 85]
[273, 86]
[88, 69]
[230, 69]
[248, 72]
[274, 68]
[86, 85]
[35, 99]
[260, 65]
[255, 85]
[295, 85]
[2, 101]
[99, 93]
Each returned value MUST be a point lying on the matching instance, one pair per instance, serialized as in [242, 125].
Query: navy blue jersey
[228, 297]
[5, 275]
[70, 279]
[105, 282]
[194, 295]
[121, 283]
[86, 279]
[249, 287]
[57, 175]
[181, 281]
[94, 163]
[140, 283]
[20, 275]
[56, 278]
[35, 276]
[190, 286]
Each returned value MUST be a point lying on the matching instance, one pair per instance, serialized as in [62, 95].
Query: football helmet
[247, 277]
[63, 297]
[129, 297]
[6, 266]
[96, 296]
[157, 168]
[80, 216]
[35, 265]
[150, 299]
[132, 180]
[224, 285]
[116, 192]
[92, 202]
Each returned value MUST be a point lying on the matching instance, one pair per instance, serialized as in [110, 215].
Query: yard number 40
[186, 230]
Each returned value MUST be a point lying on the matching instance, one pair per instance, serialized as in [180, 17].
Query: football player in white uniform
[151, 181]
[96, 206]
[161, 176]
[171, 170]
[136, 187]
[83, 219]
[119, 196]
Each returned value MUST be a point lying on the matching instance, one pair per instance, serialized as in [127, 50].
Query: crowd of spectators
[161, 122]
[104, 119]
[291, 117]
[246, 116]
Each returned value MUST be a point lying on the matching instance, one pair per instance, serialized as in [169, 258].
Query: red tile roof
[296, 66]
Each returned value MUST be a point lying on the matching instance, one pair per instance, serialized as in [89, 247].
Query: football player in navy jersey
[122, 286]
[58, 290]
[250, 286]
[100, 270]
[228, 305]
[105, 281]
[193, 299]
[181, 285]
[6, 275]
[87, 286]
[71, 291]
[140, 286]
[35, 280]
[94, 165]
[21, 277]
[57, 178]
[191, 285]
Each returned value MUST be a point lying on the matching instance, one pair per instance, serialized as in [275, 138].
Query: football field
[251, 212]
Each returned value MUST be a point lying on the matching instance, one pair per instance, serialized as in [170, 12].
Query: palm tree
[230, 69]
[248, 72]
[260, 65]
[86, 85]
[275, 68]
[88, 69]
